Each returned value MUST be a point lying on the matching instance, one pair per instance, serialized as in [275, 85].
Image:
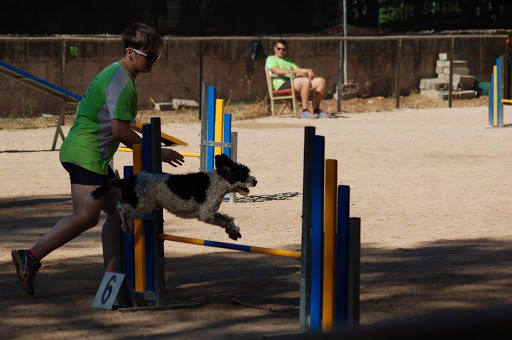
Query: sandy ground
[432, 189]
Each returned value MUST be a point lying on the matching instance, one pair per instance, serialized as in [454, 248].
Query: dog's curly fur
[194, 195]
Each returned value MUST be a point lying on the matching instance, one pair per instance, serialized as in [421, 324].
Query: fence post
[450, 81]
[397, 73]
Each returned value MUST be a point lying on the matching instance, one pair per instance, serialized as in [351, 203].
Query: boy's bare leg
[108, 234]
[85, 216]
[108, 240]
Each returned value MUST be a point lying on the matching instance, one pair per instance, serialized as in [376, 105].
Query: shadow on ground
[439, 276]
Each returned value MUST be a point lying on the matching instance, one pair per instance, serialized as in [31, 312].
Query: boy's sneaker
[321, 114]
[308, 115]
[26, 268]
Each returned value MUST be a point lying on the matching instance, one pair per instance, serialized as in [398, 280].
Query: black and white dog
[194, 195]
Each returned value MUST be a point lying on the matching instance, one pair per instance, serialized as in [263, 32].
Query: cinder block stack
[462, 81]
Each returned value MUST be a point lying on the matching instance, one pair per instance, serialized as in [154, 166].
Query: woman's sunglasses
[150, 56]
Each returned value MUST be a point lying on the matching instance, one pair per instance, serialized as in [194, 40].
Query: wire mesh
[382, 73]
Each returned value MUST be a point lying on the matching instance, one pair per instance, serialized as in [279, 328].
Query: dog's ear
[222, 161]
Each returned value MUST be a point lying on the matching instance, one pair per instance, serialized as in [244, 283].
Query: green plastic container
[482, 88]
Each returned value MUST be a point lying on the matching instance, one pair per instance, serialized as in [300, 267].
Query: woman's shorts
[79, 175]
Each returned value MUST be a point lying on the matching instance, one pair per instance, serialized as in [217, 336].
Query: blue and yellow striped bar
[232, 246]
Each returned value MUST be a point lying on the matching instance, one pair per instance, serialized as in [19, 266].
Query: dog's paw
[235, 235]
[234, 232]
[127, 227]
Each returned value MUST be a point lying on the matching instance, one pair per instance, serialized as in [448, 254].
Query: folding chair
[289, 95]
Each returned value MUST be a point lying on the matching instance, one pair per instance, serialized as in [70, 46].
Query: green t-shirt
[90, 143]
[282, 63]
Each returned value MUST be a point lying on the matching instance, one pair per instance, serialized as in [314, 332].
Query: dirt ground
[432, 189]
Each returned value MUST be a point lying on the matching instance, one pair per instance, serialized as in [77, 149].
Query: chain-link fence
[367, 77]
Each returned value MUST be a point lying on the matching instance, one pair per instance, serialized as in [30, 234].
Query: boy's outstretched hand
[172, 157]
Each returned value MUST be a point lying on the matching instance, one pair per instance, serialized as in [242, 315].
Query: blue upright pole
[148, 223]
[317, 219]
[227, 133]
[491, 100]
[498, 89]
[211, 128]
[341, 310]
[155, 275]
[305, 258]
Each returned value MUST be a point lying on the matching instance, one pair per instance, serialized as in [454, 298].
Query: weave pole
[232, 246]
[342, 254]
[329, 266]
[330, 248]
[218, 123]
[142, 250]
[330, 245]
[218, 138]
[139, 243]
[496, 90]
[156, 276]
[210, 132]
[307, 199]
[317, 233]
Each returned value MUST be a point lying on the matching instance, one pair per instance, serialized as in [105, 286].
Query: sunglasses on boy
[150, 56]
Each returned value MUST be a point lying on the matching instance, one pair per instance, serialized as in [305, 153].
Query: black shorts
[79, 175]
[286, 85]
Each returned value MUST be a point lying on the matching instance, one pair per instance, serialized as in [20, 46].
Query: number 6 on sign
[109, 290]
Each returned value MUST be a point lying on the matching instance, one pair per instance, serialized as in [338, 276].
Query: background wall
[72, 62]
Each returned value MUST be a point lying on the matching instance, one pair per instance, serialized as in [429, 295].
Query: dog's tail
[101, 191]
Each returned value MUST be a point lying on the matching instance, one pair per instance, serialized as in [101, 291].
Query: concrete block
[461, 70]
[442, 63]
[348, 91]
[467, 94]
[463, 82]
[162, 106]
[459, 81]
[177, 103]
[433, 84]
[460, 64]
[442, 70]
[456, 95]
[432, 93]
[445, 70]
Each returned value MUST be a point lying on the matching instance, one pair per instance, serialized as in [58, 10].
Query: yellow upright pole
[219, 124]
[330, 218]
[138, 231]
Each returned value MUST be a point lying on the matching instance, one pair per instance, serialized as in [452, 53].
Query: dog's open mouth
[244, 191]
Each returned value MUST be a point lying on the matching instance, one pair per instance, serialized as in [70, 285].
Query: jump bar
[241, 247]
